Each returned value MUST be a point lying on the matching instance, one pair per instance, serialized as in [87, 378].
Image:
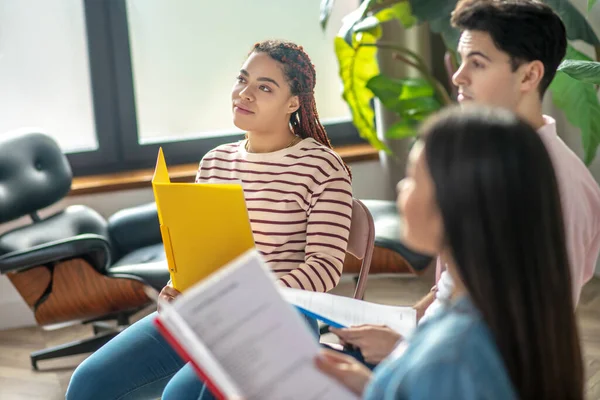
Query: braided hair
[301, 77]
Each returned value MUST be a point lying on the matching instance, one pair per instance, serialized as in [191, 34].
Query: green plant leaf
[418, 107]
[409, 98]
[584, 71]
[401, 11]
[450, 34]
[357, 65]
[359, 21]
[579, 102]
[427, 10]
[437, 13]
[416, 87]
[325, 12]
[386, 89]
[350, 20]
[577, 26]
[591, 4]
[368, 24]
[402, 130]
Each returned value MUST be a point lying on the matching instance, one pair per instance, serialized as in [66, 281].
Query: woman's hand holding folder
[167, 294]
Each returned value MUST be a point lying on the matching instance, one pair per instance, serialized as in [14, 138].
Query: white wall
[13, 310]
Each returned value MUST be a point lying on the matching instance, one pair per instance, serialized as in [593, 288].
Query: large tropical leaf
[387, 90]
[413, 99]
[428, 10]
[577, 26]
[350, 21]
[579, 101]
[325, 12]
[437, 13]
[357, 58]
[357, 65]
[402, 130]
[584, 71]
[401, 11]
[450, 34]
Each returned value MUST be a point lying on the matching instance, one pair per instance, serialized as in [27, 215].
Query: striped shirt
[299, 201]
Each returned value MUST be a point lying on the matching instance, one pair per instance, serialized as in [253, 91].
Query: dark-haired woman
[481, 193]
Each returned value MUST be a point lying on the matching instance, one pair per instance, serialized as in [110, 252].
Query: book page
[258, 338]
[351, 312]
[196, 350]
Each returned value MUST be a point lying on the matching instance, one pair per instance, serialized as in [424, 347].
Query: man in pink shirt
[510, 51]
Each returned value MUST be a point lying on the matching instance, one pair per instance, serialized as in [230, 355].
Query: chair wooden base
[384, 261]
[79, 292]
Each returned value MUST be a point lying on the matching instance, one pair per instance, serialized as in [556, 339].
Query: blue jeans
[137, 364]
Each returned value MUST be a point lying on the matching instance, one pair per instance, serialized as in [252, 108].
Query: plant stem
[400, 57]
[391, 46]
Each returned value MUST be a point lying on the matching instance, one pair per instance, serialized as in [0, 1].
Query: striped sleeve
[199, 174]
[328, 229]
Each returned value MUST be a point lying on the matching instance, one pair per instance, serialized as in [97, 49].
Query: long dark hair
[301, 77]
[499, 200]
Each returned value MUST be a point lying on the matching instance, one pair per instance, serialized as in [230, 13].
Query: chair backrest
[35, 173]
[361, 243]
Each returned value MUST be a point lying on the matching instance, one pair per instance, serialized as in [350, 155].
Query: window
[44, 72]
[186, 56]
[112, 80]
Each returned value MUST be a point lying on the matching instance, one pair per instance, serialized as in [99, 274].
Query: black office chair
[72, 265]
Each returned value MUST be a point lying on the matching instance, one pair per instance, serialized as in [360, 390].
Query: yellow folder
[204, 226]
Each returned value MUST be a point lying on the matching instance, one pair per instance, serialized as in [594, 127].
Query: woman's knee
[185, 385]
[137, 360]
[87, 381]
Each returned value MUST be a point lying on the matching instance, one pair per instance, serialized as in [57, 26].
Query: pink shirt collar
[549, 128]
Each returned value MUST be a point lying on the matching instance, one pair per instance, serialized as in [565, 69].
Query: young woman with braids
[299, 198]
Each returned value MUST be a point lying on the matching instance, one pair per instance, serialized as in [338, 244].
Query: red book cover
[185, 356]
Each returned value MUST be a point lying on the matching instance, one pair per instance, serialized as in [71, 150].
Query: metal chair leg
[76, 347]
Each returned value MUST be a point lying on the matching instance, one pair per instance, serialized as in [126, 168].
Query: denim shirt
[451, 356]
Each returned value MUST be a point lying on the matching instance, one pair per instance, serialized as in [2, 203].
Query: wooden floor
[19, 381]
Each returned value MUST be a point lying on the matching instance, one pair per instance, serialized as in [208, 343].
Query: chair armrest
[94, 247]
[133, 228]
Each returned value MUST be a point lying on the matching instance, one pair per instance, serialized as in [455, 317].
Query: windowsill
[184, 173]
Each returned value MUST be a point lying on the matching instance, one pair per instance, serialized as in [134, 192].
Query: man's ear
[294, 104]
[531, 76]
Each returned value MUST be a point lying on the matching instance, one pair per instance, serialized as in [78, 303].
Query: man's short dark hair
[527, 30]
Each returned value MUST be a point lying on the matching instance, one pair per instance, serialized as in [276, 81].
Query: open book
[343, 312]
[244, 339]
